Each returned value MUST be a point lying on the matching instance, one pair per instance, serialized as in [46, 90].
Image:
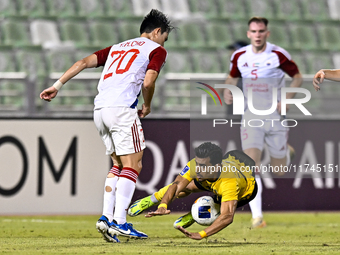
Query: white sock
[125, 188]
[256, 203]
[109, 197]
[153, 198]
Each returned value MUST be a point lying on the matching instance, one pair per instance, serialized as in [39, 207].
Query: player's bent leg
[291, 152]
[278, 165]
[103, 226]
[184, 221]
[126, 230]
[256, 203]
[145, 203]
[141, 205]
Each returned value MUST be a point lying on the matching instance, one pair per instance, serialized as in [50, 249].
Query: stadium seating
[303, 35]
[43, 36]
[59, 61]
[7, 59]
[143, 7]
[279, 34]
[128, 28]
[287, 10]
[206, 61]
[30, 59]
[178, 61]
[263, 8]
[74, 29]
[12, 95]
[87, 51]
[315, 10]
[204, 7]
[240, 29]
[90, 8]
[61, 8]
[329, 35]
[192, 33]
[176, 8]
[299, 58]
[317, 60]
[103, 32]
[8, 8]
[44, 32]
[219, 34]
[118, 8]
[232, 9]
[15, 32]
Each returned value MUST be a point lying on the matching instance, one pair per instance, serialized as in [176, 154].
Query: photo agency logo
[240, 101]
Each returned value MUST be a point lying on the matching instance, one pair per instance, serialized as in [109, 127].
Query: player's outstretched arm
[51, 92]
[333, 75]
[226, 218]
[148, 89]
[173, 191]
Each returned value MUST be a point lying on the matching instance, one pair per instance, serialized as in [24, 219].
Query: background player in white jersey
[129, 68]
[262, 67]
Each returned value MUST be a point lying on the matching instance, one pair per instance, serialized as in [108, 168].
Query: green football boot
[184, 221]
[140, 205]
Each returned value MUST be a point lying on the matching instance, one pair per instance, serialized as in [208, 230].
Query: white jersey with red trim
[261, 72]
[124, 71]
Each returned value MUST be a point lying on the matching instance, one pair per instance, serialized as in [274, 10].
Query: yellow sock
[160, 194]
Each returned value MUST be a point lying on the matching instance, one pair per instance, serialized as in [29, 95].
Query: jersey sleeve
[286, 63]
[234, 71]
[157, 59]
[102, 56]
[185, 173]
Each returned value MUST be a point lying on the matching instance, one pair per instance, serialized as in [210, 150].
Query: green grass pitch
[286, 233]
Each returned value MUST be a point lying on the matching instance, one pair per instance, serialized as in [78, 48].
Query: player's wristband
[163, 205]
[202, 234]
[58, 84]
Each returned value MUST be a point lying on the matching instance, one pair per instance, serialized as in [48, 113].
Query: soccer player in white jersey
[130, 67]
[262, 67]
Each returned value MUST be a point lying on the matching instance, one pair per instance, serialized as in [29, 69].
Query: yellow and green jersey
[236, 180]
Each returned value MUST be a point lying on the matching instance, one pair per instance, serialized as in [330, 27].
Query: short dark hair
[153, 20]
[258, 20]
[210, 150]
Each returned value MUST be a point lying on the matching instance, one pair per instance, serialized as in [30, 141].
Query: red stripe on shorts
[137, 140]
[133, 137]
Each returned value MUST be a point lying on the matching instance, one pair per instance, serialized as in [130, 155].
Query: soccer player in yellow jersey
[229, 177]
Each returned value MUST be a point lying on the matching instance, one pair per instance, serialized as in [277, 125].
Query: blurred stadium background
[40, 39]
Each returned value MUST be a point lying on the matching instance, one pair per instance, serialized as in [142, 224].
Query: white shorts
[120, 130]
[274, 135]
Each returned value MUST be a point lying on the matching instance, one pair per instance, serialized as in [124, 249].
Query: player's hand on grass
[195, 236]
[144, 111]
[318, 79]
[228, 97]
[49, 93]
[160, 211]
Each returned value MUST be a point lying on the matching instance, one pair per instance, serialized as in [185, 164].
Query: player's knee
[108, 189]
[110, 175]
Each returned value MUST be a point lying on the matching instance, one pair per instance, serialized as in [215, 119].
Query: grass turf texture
[286, 233]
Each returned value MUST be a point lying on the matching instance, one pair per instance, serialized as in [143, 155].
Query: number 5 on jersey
[254, 72]
[121, 61]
